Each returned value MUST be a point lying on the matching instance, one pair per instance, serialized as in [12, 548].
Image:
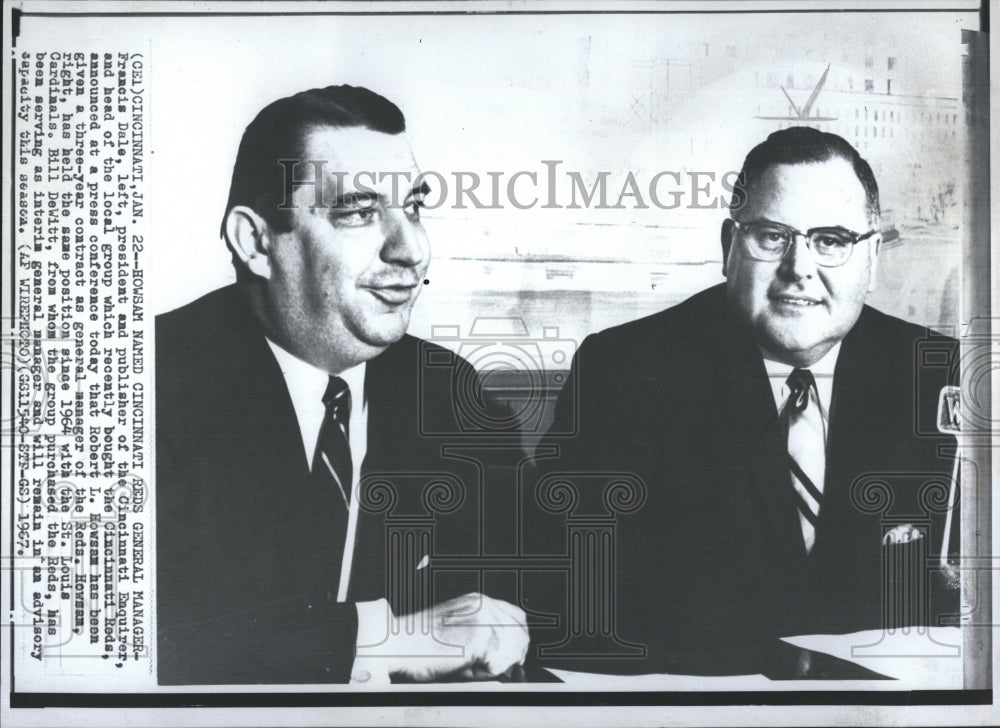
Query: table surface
[917, 658]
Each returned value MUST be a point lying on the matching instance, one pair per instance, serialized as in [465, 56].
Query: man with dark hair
[290, 455]
[782, 434]
[279, 133]
[804, 145]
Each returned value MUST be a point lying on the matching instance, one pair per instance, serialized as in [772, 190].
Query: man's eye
[356, 217]
[413, 207]
[828, 240]
[773, 236]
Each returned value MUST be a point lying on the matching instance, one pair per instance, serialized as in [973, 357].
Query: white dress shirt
[822, 371]
[306, 386]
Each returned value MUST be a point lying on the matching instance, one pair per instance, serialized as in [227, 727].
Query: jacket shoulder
[419, 355]
[902, 354]
[876, 324]
[674, 334]
[219, 313]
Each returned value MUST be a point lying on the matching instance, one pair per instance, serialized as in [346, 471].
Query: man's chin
[383, 336]
[787, 345]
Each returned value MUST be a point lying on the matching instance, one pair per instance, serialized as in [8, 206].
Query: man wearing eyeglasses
[773, 421]
[801, 291]
[290, 458]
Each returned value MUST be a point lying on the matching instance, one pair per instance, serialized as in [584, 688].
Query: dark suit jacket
[713, 561]
[246, 572]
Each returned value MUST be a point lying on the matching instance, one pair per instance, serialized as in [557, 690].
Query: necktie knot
[800, 382]
[337, 399]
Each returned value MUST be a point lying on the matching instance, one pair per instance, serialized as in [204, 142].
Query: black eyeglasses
[769, 241]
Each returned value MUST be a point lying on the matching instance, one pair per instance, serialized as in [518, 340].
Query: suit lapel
[386, 385]
[761, 437]
[260, 402]
[390, 382]
[847, 442]
[256, 433]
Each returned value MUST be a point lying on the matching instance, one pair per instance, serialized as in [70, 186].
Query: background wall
[600, 93]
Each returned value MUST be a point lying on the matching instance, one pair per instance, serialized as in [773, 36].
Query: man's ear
[874, 245]
[248, 236]
[727, 242]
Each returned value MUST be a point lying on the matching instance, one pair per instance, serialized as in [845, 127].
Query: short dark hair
[801, 145]
[279, 132]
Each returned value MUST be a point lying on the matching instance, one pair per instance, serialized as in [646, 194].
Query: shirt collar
[822, 371]
[307, 384]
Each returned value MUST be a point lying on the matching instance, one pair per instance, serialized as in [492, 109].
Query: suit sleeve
[288, 641]
[217, 626]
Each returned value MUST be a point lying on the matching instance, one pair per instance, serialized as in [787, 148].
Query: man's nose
[405, 241]
[798, 262]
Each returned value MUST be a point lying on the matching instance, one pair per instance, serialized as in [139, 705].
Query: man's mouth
[392, 295]
[792, 300]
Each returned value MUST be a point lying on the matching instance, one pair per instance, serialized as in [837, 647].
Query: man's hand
[471, 637]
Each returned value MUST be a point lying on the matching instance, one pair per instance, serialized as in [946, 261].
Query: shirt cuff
[371, 669]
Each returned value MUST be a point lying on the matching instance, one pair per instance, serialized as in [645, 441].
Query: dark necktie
[332, 475]
[332, 461]
[806, 450]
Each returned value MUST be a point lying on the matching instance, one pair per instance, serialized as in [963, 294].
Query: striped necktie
[806, 450]
[332, 463]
